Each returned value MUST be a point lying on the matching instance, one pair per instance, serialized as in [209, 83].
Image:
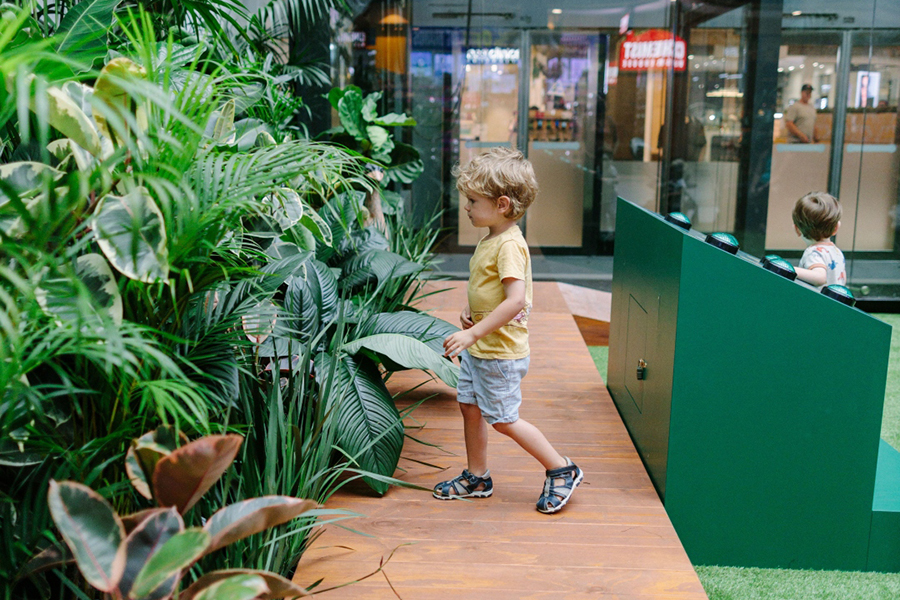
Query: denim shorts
[493, 385]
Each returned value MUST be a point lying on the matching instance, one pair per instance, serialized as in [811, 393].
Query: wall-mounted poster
[867, 84]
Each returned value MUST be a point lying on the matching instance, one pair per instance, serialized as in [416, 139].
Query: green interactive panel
[755, 402]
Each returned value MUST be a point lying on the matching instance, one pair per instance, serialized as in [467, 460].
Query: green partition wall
[759, 413]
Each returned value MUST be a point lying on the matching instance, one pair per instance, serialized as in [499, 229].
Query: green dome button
[776, 264]
[840, 293]
[724, 241]
[679, 219]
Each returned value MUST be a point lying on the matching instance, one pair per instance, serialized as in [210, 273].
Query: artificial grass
[890, 423]
[600, 354]
[737, 583]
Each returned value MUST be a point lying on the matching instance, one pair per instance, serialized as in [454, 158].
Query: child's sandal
[465, 485]
[556, 496]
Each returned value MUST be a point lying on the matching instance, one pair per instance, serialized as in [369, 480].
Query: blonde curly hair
[499, 172]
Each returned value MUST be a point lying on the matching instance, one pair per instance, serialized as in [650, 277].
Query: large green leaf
[369, 427]
[132, 235]
[381, 265]
[67, 117]
[91, 529]
[311, 299]
[91, 293]
[110, 88]
[279, 587]
[82, 32]
[177, 553]
[183, 476]
[425, 328]
[370, 107]
[236, 587]
[408, 352]
[25, 177]
[143, 542]
[394, 120]
[350, 113]
[243, 519]
[405, 165]
[335, 94]
[317, 225]
[382, 144]
[287, 207]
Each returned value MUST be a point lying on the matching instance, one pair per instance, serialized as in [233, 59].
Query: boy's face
[484, 212]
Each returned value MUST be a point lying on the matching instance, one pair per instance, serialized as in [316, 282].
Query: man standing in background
[800, 118]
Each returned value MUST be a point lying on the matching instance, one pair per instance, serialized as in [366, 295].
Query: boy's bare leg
[533, 441]
[476, 438]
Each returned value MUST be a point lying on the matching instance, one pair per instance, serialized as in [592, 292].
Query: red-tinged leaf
[91, 529]
[145, 451]
[178, 553]
[146, 539]
[182, 477]
[49, 558]
[237, 587]
[279, 587]
[243, 519]
[134, 519]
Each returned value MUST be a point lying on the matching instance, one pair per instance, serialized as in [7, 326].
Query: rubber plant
[145, 555]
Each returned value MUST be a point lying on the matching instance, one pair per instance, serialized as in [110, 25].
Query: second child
[817, 216]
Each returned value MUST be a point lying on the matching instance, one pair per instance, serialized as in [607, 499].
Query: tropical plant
[149, 553]
[364, 131]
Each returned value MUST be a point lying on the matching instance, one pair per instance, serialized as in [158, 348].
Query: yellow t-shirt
[494, 260]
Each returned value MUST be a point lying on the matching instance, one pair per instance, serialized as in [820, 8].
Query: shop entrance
[537, 92]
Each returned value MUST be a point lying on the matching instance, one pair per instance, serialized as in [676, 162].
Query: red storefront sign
[651, 50]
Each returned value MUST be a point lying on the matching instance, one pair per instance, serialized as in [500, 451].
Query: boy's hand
[465, 317]
[457, 342]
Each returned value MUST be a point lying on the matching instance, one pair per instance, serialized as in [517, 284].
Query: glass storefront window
[609, 113]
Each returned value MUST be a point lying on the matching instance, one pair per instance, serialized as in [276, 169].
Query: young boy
[499, 185]
[817, 216]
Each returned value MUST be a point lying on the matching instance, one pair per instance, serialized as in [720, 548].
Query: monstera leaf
[90, 293]
[370, 429]
[407, 352]
[130, 231]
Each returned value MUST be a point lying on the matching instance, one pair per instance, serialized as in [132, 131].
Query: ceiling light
[797, 13]
[556, 11]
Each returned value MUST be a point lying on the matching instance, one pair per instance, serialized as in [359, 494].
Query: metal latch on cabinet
[642, 370]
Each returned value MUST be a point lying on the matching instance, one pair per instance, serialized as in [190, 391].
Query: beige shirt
[804, 117]
[494, 260]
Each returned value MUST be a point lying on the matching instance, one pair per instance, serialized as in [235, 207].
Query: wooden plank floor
[613, 540]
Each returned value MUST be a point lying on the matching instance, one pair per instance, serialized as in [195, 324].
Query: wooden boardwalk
[613, 540]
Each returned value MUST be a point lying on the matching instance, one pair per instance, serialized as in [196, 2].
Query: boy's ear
[504, 204]
[836, 227]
